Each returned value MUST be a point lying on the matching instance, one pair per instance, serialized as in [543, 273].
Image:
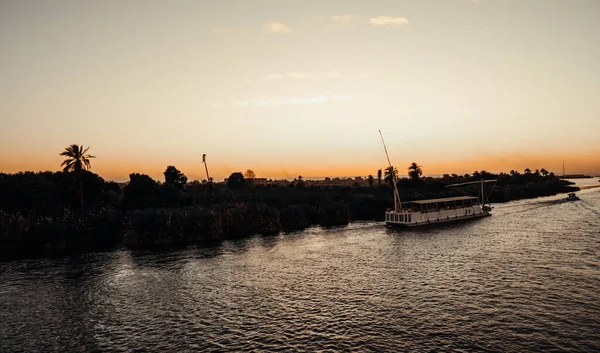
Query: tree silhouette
[527, 171]
[77, 161]
[415, 171]
[249, 174]
[140, 190]
[391, 173]
[544, 172]
[371, 180]
[236, 181]
[379, 178]
[174, 177]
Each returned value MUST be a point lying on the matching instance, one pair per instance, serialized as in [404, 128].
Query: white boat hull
[416, 219]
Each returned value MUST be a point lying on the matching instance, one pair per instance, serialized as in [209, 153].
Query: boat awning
[446, 199]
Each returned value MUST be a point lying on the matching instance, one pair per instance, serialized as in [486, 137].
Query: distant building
[259, 181]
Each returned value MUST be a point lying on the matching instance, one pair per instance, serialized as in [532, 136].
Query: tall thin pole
[206, 168]
[397, 203]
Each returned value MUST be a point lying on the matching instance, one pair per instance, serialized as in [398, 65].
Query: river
[525, 279]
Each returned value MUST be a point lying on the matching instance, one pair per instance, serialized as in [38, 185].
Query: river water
[526, 279]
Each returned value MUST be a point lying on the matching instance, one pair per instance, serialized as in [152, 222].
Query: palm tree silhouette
[379, 178]
[415, 171]
[78, 160]
[391, 173]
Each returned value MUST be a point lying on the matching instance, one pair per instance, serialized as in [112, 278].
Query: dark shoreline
[36, 217]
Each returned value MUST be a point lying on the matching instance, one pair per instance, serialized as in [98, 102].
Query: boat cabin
[437, 211]
[448, 203]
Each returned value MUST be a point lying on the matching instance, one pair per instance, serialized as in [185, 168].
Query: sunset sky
[289, 87]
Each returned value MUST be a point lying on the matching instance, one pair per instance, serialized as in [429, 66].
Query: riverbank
[39, 216]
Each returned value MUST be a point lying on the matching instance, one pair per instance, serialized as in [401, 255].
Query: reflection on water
[525, 279]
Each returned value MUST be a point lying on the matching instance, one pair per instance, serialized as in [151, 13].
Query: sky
[300, 87]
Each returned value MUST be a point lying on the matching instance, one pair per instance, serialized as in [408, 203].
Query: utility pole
[206, 168]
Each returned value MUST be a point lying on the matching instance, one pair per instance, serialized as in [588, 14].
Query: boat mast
[477, 182]
[397, 203]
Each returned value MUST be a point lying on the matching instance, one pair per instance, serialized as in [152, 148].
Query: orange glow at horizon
[575, 163]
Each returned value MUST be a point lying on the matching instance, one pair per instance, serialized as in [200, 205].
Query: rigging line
[490, 194]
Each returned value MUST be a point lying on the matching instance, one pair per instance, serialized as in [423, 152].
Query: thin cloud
[278, 28]
[388, 21]
[319, 99]
[248, 81]
[302, 76]
[338, 21]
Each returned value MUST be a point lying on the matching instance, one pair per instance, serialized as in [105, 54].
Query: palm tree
[391, 174]
[78, 160]
[379, 178]
[371, 180]
[415, 171]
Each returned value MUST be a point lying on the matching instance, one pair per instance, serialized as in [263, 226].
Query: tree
[415, 171]
[140, 191]
[78, 160]
[527, 171]
[174, 177]
[379, 178]
[236, 181]
[544, 172]
[391, 174]
[371, 180]
[249, 174]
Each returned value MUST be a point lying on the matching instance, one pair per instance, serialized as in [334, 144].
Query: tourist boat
[433, 211]
[571, 197]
